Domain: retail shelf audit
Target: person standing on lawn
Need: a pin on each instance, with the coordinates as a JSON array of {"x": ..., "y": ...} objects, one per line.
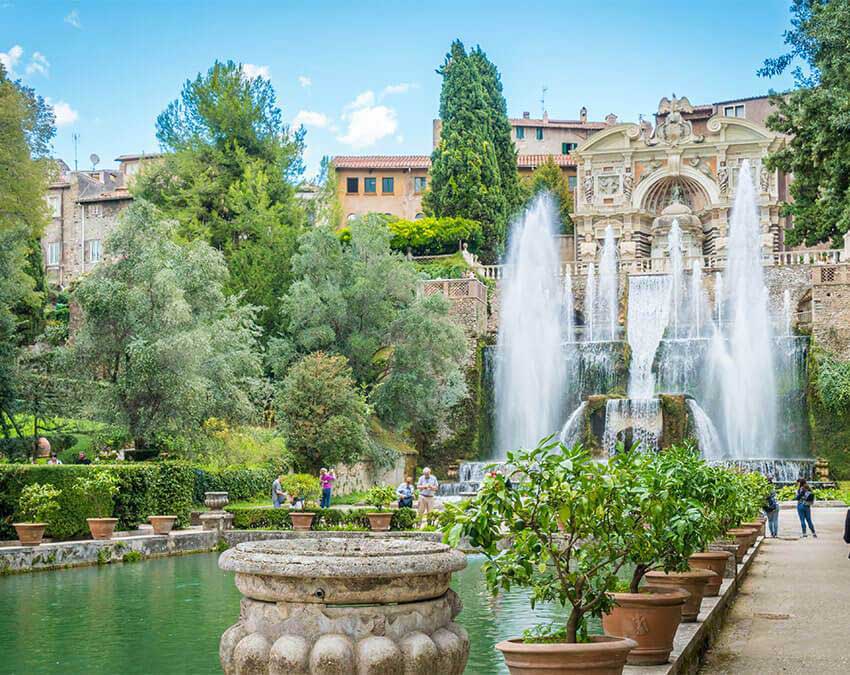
[
  {"x": 279, "y": 497},
  {"x": 326, "y": 478}
]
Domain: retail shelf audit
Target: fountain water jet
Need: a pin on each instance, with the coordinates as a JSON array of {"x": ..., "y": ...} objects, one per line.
[
  {"x": 589, "y": 302},
  {"x": 608, "y": 297}
]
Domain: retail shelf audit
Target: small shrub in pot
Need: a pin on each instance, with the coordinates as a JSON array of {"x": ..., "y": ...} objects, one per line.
[
  {"x": 36, "y": 506},
  {"x": 381, "y": 497}
]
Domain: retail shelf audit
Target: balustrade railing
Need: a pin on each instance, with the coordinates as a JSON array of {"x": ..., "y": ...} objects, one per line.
[{"x": 455, "y": 288}]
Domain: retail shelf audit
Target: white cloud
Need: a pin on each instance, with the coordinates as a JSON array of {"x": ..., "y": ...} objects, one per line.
[
  {"x": 251, "y": 71},
  {"x": 64, "y": 113},
  {"x": 11, "y": 58},
  {"x": 363, "y": 100},
  {"x": 369, "y": 124},
  {"x": 400, "y": 88},
  {"x": 73, "y": 19},
  {"x": 310, "y": 118},
  {"x": 304, "y": 81},
  {"x": 38, "y": 64}
]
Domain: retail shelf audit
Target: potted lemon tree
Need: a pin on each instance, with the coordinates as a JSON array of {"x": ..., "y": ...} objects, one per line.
[
  {"x": 381, "y": 497},
  {"x": 94, "y": 493},
  {"x": 516, "y": 526},
  {"x": 301, "y": 487},
  {"x": 37, "y": 504}
]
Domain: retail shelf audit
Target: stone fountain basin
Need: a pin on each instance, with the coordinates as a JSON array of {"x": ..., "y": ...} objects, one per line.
[{"x": 334, "y": 570}]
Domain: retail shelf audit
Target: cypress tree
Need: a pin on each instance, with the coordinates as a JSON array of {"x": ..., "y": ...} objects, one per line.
[{"x": 465, "y": 176}]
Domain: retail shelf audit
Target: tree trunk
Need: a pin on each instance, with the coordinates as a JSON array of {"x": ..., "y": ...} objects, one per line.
[
  {"x": 640, "y": 571},
  {"x": 572, "y": 625}
]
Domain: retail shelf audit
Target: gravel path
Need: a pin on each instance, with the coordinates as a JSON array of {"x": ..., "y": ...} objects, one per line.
[{"x": 792, "y": 614}]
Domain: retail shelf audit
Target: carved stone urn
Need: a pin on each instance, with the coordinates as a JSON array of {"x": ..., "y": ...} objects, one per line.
[
  {"x": 216, "y": 501},
  {"x": 332, "y": 605}
]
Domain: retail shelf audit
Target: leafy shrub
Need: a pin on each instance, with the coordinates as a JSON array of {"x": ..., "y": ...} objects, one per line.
[
  {"x": 254, "y": 517},
  {"x": 38, "y": 503},
  {"x": 789, "y": 493},
  {"x": 94, "y": 492},
  {"x": 301, "y": 485},
  {"x": 239, "y": 482},
  {"x": 833, "y": 383},
  {"x": 435, "y": 236},
  {"x": 381, "y": 496}
]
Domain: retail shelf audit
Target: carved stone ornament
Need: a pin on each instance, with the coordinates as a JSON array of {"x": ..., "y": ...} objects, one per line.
[
  {"x": 588, "y": 188},
  {"x": 723, "y": 178},
  {"x": 675, "y": 129},
  {"x": 628, "y": 184},
  {"x": 651, "y": 167},
  {"x": 764, "y": 179},
  {"x": 609, "y": 184}
]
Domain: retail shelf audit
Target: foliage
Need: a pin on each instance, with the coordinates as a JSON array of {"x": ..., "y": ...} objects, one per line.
[
  {"x": 132, "y": 557},
  {"x": 554, "y": 484},
  {"x": 224, "y": 446},
  {"x": 239, "y": 481},
  {"x": 381, "y": 496},
  {"x": 814, "y": 119},
  {"x": 832, "y": 383},
  {"x": 789, "y": 493},
  {"x": 253, "y": 517},
  {"x": 38, "y": 503},
  {"x": 829, "y": 424},
  {"x": 321, "y": 413},
  {"x": 325, "y": 208},
  {"x": 301, "y": 485},
  {"x": 159, "y": 331},
  {"x": 548, "y": 177},
  {"x": 434, "y": 236},
  {"x": 445, "y": 267},
  {"x": 466, "y": 173},
  {"x": 228, "y": 179},
  {"x": 143, "y": 489},
  {"x": 93, "y": 493}
]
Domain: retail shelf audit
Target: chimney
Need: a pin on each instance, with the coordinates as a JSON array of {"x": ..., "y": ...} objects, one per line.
[
  {"x": 610, "y": 119},
  {"x": 545, "y": 116},
  {"x": 526, "y": 115},
  {"x": 582, "y": 115}
]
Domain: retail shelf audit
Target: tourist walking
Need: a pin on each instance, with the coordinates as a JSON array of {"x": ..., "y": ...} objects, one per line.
[
  {"x": 279, "y": 497},
  {"x": 427, "y": 486},
  {"x": 405, "y": 493},
  {"x": 771, "y": 510},
  {"x": 326, "y": 478},
  {"x": 805, "y": 499}
]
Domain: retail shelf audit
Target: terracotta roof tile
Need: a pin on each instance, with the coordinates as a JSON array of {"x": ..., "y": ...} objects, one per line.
[
  {"x": 533, "y": 161},
  {"x": 571, "y": 124},
  {"x": 382, "y": 161}
]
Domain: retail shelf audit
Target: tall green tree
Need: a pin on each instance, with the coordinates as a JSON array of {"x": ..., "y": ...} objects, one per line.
[
  {"x": 228, "y": 178},
  {"x": 548, "y": 177},
  {"x": 466, "y": 180},
  {"x": 164, "y": 345},
  {"x": 814, "y": 117}
]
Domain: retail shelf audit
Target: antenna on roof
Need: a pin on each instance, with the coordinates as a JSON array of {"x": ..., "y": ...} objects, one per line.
[
  {"x": 95, "y": 160},
  {"x": 76, "y": 138},
  {"x": 544, "y": 89}
]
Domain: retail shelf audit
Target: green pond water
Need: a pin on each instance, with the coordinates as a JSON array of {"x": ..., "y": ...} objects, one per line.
[{"x": 166, "y": 616}]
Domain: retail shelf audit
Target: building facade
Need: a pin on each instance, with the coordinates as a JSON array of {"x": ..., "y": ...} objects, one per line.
[{"x": 391, "y": 184}]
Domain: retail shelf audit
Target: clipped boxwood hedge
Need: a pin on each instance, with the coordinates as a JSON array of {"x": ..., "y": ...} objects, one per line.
[
  {"x": 144, "y": 489},
  {"x": 267, "y": 518},
  {"x": 239, "y": 482}
]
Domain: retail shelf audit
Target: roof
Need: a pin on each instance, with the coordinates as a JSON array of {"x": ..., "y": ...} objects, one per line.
[
  {"x": 382, "y": 161},
  {"x": 533, "y": 161},
  {"x": 567, "y": 124},
  {"x": 114, "y": 195},
  {"x": 144, "y": 155}
]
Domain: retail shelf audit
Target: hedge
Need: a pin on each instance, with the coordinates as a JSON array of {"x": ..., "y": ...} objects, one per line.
[
  {"x": 240, "y": 483},
  {"x": 267, "y": 518},
  {"x": 144, "y": 489}
]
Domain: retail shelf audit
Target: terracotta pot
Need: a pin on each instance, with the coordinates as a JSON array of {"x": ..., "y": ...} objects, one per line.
[
  {"x": 301, "y": 520},
  {"x": 648, "y": 618},
  {"x": 603, "y": 655},
  {"x": 379, "y": 522},
  {"x": 30, "y": 534},
  {"x": 693, "y": 582},
  {"x": 102, "y": 528},
  {"x": 162, "y": 524},
  {"x": 754, "y": 534},
  {"x": 714, "y": 561},
  {"x": 756, "y": 525},
  {"x": 742, "y": 538}
]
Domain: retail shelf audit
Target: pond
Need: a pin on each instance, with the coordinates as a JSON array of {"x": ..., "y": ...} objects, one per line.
[{"x": 166, "y": 616}]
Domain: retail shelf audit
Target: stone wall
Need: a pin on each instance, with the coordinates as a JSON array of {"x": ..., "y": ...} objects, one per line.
[
  {"x": 831, "y": 318},
  {"x": 363, "y": 475}
]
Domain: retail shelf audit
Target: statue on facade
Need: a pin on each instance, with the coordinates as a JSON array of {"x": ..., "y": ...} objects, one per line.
[
  {"x": 588, "y": 188},
  {"x": 628, "y": 184},
  {"x": 675, "y": 129},
  {"x": 723, "y": 178},
  {"x": 764, "y": 179}
]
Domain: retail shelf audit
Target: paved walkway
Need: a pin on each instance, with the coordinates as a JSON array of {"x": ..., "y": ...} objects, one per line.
[{"x": 792, "y": 614}]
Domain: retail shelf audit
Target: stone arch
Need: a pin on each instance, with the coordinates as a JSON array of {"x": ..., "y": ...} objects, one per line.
[{"x": 694, "y": 178}]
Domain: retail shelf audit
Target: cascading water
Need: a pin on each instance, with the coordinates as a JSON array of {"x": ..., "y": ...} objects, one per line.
[
  {"x": 569, "y": 309},
  {"x": 743, "y": 363},
  {"x": 571, "y": 433},
  {"x": 635, "y": 422},
  {"x": 608, "y": 298},
  {"x": 676, "y": 269},
  {"x": 718, "y": 298},
  {"x": 649, "y": 310},
  {"x": 589, "y": 302},
  {"x": 705, "y": 432},
  {"x": 530, "y": 369},
  {"x": 786, "y": 311},
  {"x": 696, "y": 298}
]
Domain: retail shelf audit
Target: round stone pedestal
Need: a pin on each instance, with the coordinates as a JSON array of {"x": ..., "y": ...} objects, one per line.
[{"x": 331, "y": 605}]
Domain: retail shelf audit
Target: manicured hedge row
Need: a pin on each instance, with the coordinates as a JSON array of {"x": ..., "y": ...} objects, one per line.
[
  {"x": 239, "y": 482},
  {"x": 259, "y": 518},
  {"x": 144, "y": 489}
]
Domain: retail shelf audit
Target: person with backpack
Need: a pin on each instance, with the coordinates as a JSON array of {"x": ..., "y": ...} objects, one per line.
[
  {"x": 805, "y": 499},
  {"x": 771, "y": 510}
]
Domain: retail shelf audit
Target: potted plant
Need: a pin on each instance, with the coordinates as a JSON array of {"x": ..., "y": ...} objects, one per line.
[
  {"x": 380, "y": 496},
  {"x": 301, "y": 487},
  {"x": 94, "y": 493},
  {"x": 36, "y": 506},
  {"x": 517, "y": 530},
  {"x": 670, "y": 526}
]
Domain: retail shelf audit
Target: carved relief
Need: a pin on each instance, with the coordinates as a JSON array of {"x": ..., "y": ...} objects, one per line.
[
  {"x": 651, "y": 167},
  {"x": 628, "y": 184},
  {"x": 701, "y": 165},
  {"x": 723, "y": 178},
  {"x": 675, "y": 129},
  {"x": 764, "y": 179},
  {"x": 609, "y": 184},
  {"x": 639, "y": 625},
  {"x": 588, "y": 188}
]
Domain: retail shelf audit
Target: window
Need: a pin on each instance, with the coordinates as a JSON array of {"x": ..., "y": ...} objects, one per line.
[
  {"x": 520, "y": 133},
  {"x": 54, "y": 203},
  {"x": 53, "y": 254},
  {"x": 734, "y": 110},
  {"x": 572, "y": 181},
  {"x": 539, "y": 133},
  {"x": 567, "y": 148},
  {"x": 352, "y": 185},
  {"x": 387, "y": 185},
  {"x": 93, "y": 250},
  {"x": 370, "y": 186},
  {"x": 419, "y": 184}
]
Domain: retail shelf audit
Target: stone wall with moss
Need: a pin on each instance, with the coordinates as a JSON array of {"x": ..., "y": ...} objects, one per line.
[
  {"x": 674, "y": 420},
  {"x": 829, "y": 419}
]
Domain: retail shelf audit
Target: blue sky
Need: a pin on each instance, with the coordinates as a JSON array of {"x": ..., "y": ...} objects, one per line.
[{"x": 360, "y": 75}]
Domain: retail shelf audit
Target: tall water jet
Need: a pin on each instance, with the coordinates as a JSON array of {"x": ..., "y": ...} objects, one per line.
[
  {"x": 744, "y": 362},
  {"x": 589, "y": 302},
  {"x": 676, "y": 269},
  {"x": 718, "y": 298},
  {"x": 530, "y": 367},
  {"x": 696, "y": 298},
  {"x": 786, "y": 312},
  {"x": 649, "y": 311},
  {"x": 608, "y": 297},
  {"x": 569, "y": 308}
]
